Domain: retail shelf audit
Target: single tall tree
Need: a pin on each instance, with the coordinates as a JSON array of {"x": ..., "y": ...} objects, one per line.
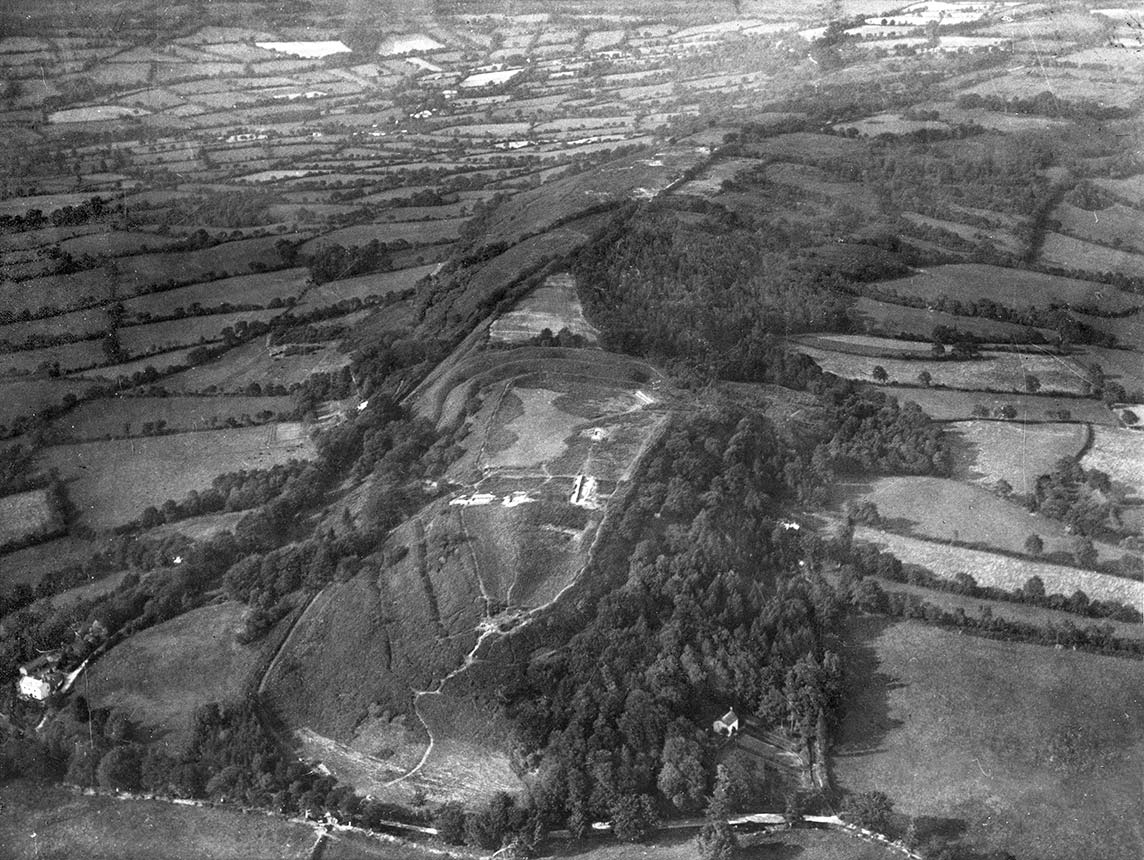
[{"x": 716, "y": 839}]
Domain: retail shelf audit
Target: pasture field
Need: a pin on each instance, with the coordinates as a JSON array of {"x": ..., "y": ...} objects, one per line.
[
  {"x": 951, "y": 405},
  {"x": 27, "y": 515},
  {"x": 256, "y": 362},
  {"x": 199, "y": 528},
  {"x": 1067, "y": 84},
  {"x": 112, "y": 482},
  {"x": 115, "y": 243},
  {"x": 45, "y": 820},
  {"x": 69, "y": 357},
  {"x": 76, "y": 324},
  {"x": 1003, "y": 240},
  {"x": 161, "y": 362},
  {"x": 710, "y": 181},
  {"x": 1024, "y": 613},
  {"x": 1119, "y": 365},
  {"x": 256, "y": 289},
  {"x": 413, "y": 232},
  {"x": 860, "y": 344},
  {"x": 1074, "y": 254},
  {"x": 1117, "y": 225},
  {"x": 28, "y": 396},
  {"x": 30, "y": 564},
  {"x": 125, "y": 416},
  {"x": 1130, "y": 189},
  {"x": 816, "y": 182},
  {"x": 800, "y": 146},
  {"x": 989, "y": 451},
  {"x": 805, "y": 844},
  {"x": 187, "y": 331},
  {"x": 161, "y": 675},
  {"x": 1016, "y": 288},
  {"x": 1120, "y": 453},
  {"x": 889, "y": 123},
  {"x": 1035, "y": 751},
  {"x": 554, "y": 306},
  {"x": 962, "y": 512},
  {"x": 1128, "y": 330},
  {"x": 1003, "y": 571},
  {"x": 994, "y": 371},
  {"x": 894, "y": 320},
  {"x": 362, "y": 286}
]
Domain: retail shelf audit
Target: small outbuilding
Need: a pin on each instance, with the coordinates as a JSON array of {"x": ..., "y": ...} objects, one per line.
[{"x": 728, "y": 724}]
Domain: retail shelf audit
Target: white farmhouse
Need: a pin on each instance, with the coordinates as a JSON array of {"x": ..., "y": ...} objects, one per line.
[{"x": 728, "y": 724}]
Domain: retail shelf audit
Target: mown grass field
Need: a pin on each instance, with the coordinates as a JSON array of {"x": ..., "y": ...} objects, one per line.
[
  {"x": 111, "y": 482},
  {"x": 962, "y": 512},
  {"x": 161, "y": 675},
  {"x": 45, "y": 821},
  {"x": 27, "y": 515},
  {"x": 1003, "y": 571},
  {"x": 125, "y": 416},
  {"x": 989, "y": 451},
  {"x": 1033, "y": 750}
]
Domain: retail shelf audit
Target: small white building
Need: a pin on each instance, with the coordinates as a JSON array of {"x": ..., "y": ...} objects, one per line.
[
  {"x": 39, "y": 679},
  {"x": 728, "y": 724}
]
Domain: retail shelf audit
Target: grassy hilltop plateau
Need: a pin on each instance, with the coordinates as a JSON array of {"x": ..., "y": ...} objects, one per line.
[{"x": 615, "y": 430}]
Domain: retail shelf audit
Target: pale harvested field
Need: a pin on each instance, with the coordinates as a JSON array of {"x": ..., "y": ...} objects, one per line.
[
  {"x": 1002, "y": 571},
  {"x": 112, "y": 482},
  {"x": 527, "y": 430},
  {"x": 1018, "y": 453},
  {"x": 552, "y": 306},
  {"x": 1120, "y": 453}
]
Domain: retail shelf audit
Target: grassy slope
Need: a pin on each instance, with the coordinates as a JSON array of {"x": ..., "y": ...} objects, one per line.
[
  {"x": 46, "y": 821},
  {"x": 1037, "y": 751},
  {"x": 161, "y": 675}
]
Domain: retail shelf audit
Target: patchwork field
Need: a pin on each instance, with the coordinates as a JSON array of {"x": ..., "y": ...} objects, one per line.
[
  {"x": 1036, "y": 751},
  {"x": 160, "y": 676},
  {"x": 112, "y": 482},
  {"x": 1003, "y": 571},
  {"x": 30, "y": 564},
  {"x": 553, "y": 306},
  {"x": 43, "y": 820},
  {"x": 989, "y": 451},
  {"x": 959, "y": 512}
]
